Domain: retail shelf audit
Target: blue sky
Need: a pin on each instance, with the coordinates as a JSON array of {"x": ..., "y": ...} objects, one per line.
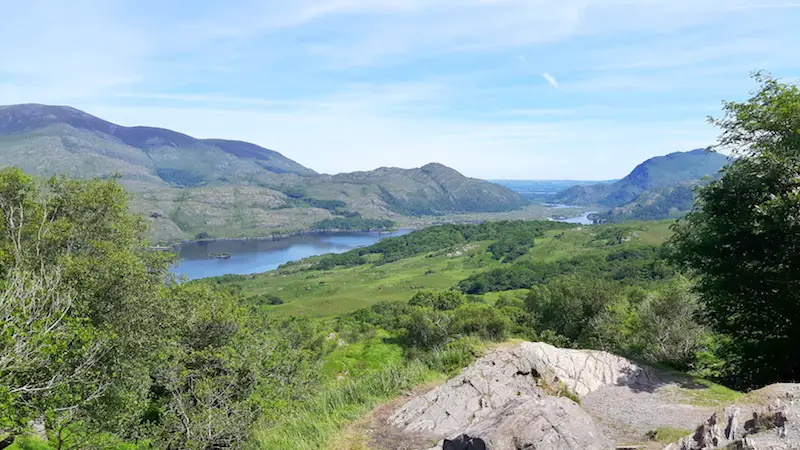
[{"x": 536, "y": 89}]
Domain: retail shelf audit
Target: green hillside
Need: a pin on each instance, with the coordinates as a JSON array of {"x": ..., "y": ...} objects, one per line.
[
  {"x": 654, "y": 204},
  {"x": 658, "y": 172},
  {"x": 222, "y": 188}
]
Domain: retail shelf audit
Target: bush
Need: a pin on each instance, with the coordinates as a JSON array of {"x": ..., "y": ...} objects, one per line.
[
  {"x": 427, "y": 329},
  {"x": 265, "y": 299},
  {"x": 440, "y": 301},
  {"x": 480, "y": 320},
  {"x": 570, "y": 305}
]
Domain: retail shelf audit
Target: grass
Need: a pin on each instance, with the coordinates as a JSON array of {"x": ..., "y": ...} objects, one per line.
[
  {"x": 710, "y": 394},
  {"x": 668, "y": 435},
  {"x": 362, "y": 357},
  {"x": 316, "y": 423},
  {"x": 318, "y": 293}
]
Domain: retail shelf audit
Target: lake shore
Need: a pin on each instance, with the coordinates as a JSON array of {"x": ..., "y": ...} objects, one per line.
[{"x": 276, "y": 237}]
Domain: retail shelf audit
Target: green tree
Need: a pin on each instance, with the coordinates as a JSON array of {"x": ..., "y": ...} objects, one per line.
[
  {"x": 427, "y": 329},
  {"x": 742, "y": 238},
  {"x": 71, "y": 250}
]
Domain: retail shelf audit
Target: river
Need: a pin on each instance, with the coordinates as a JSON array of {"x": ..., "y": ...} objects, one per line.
[{"x": 249, "y": 256}]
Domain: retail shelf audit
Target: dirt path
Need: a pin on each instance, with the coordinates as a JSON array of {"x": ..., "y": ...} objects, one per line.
[
  {"x": 374, "y": 432},
  {"x": 626, "y": 415}
]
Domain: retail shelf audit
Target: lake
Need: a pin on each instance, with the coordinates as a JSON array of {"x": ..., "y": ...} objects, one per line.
[
  {"x": 581, "y": 220},
  {"x": 249, "y": 256}
]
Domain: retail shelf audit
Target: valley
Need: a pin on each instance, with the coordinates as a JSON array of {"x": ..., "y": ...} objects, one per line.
[{"x": 395, "y": 309}]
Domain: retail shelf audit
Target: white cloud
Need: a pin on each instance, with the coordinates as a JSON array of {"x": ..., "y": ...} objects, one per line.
[
  {"x": 551, "y": 79},
  {"x": 343, "y": 136},
  {"x": 354, "y": 84}
]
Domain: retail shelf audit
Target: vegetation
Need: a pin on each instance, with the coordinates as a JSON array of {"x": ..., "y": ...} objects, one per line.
[
  {"x": 741, "y": 238},
  {"x": 654, "y": 204},
  {"x": 102, "y": 347},
  {"x": 515, "y": 236},
  {"x": 356, "y": 223},
  {"x": 655, "y": 173}
]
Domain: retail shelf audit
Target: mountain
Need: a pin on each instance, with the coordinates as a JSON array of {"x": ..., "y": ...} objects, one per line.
[
  {"x": 434, "y": 189},
  {"x": 58, "y": 139},
  {"x": 225, "y": 188},
  {"x": 658, "y": 172},
  {"x": 654, "y": 204}
]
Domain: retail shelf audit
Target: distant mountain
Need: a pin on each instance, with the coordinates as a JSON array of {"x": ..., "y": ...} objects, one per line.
[
  {"x": 225, "y": 188},
  {"x": 543, "y": 190},
  {"x": 654, "y": 204},
  {"x": 434, "y": 189},
  {"x": 658, "y": 172},
  {"x": 58, "y": 139}
]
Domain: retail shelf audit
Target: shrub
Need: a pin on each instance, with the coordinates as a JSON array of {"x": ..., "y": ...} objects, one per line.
[
  {"x": 480, "y": 320},
  {"x": 440, "y": 301},
  {"x": 426, "y": 329}
]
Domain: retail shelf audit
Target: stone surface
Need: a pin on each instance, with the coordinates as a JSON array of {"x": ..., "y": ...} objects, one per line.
[
  {"x": 505, "y": 399},
  {"x": 547, "y": 422},
  {"x": 510, "y": 373},
  {"x": 767, "y": 419}
]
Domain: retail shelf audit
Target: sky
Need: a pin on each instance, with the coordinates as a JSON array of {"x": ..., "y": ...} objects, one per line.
[{"x": 513, "y": 89}]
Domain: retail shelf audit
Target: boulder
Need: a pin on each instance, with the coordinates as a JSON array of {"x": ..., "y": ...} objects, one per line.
[
  {"x": 552, "y": 423},
  {"x": 510, "y": 373},
  {"x": 519, "y": 397}
]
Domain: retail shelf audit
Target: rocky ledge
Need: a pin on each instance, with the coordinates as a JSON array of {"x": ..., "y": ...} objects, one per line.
[{"x": 536, "y": 396}]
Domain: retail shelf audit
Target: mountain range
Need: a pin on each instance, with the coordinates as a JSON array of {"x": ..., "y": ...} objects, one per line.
[
  {"x": 225, "y": 188},
  {"x": 659, "y": 188},
  {"x": 658, "y": 172}
]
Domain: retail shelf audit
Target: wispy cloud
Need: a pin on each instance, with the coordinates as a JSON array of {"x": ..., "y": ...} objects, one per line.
[
  {"x": 551, "y": 79},
  {"x": 346, "y": 84}
]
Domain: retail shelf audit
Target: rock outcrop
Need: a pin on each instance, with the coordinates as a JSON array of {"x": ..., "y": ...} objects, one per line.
[
  {"x": 767, "y": 419},
  {"x": 536, "y": 396},
  {"x": 505, "y": 398}
]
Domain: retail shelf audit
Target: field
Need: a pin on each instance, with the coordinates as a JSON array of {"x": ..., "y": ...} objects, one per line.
[{"x": 317, "y": 293}]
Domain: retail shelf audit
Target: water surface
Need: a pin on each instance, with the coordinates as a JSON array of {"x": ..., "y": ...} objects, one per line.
[
  {"x": 255, "y": 256},
  {"x": 581, "y": 220}
]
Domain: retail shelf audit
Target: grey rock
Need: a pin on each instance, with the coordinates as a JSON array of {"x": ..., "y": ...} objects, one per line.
[
  {"x": 510, "y": 373},
  {"x": 767, "y": 419},
  {"x": 547, "y": 422},
  {"x": 505, "y": 399}
]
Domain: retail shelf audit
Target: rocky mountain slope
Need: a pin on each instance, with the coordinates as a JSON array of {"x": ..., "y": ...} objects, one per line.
[
  {"x": 536, "y": 396},
  {"x": 224, "y": 188},
  {"x": 654, "y": 204},
  {"x": 655, "y": 173}
]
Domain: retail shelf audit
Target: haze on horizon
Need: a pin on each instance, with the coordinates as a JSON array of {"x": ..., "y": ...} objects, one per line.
[{"x": 508, "y": 89}]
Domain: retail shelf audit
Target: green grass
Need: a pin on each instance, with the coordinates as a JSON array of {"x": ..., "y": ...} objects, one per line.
[
  {"x": 353, "y": 360},
  {"x": 318, "y": 293},
  {"x": 332, "y": 292},
  {"x": 316, "y": 422},
  {"x": 668, "y": 435},
  {"x": 708, "y": 393}
]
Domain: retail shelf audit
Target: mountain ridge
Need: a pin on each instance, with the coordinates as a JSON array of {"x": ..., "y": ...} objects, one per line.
[
  {"x": 229, "y": 188},
  {"x": 33, "y": 116},
  {"x": 657, "y": 172}
]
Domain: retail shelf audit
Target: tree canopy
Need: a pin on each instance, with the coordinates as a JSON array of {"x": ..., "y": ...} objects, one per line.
[{"x": 742, "y": 239}]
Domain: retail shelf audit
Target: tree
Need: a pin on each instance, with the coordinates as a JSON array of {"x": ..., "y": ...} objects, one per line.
[
  {"x": 570, "y": 305},
  {"x": 48, "y": 359},
  {"x": 742, "y": 238},
  {"x": 84, "y": 293}
]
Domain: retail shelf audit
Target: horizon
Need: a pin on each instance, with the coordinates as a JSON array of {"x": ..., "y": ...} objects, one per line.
[{"x": 501, "y": 90}]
